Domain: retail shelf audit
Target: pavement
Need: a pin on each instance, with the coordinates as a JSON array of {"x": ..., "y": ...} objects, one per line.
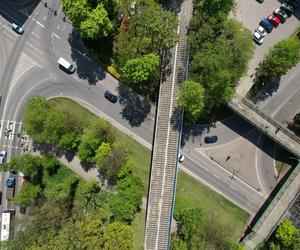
[
  {"x": 46, "y": 38},
  {"x": 250, "y": 12}
]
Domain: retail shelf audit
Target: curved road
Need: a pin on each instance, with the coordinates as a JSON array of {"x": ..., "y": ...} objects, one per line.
[{"x": 46, "y": 38}]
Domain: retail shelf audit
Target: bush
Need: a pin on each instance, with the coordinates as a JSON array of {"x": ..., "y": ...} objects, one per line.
[{"x": 113, "y": 72}]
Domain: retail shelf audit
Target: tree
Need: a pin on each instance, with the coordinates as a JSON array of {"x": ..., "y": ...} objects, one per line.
[
  {"x": 87, "y": 148},
  {"x": 117, "y": 160},
  {"x": 141, "y": 69},
  {"x": 54, "y": 127},
  {"x": 50, "y": 163},
  {"x": 27, "y": 195},
  {"x": 102, "y": 156},
  {"x": 212, "y": 7},
  {"x": 127, "y": 201},
  {"x": 97, "y": 24},
  {"x": 118, "y": 235},
  {"x": 151, "y": 31},
  {"x": 283, "y": 56},
  {"x": 191, "y": 228},
  {"x": 287, "y": 234},
  {"x": 28, "y": 164},
  {"x": 35, "y": 115},
  {"x": 77, "y": 10},
  {"x": 90, "y": 190},
  {"x": 295, "y": 124},
  {"x": 69, "y": 141},
  {"x": 191, "y": 98}
]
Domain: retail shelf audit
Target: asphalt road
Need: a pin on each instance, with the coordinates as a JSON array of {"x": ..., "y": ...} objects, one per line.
[{"x": 35, "y": 55}]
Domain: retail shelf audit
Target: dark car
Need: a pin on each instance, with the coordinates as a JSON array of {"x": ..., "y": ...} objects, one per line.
[
  {"x": 266, "y": 24},
  {"x": 17, "y": 28},
  {"x": 110, "y": 96},
  {"x": 288, "y": 9},
  {"x": 10, "y": 182},
  {"x": 274, "y": 20},
  {"x": 293, "y": 3},
  {"x": 119, "y": 18},
  {"x": 280, "y": 13},
  {"x": 210, "y": 139}
]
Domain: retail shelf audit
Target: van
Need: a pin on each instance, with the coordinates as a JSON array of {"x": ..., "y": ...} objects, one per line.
[{"x": 66, "y": 65}]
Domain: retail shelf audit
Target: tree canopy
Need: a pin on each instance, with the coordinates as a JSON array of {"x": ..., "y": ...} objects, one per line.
[
  {"x": 191, "y": 98},
  {"x": 141, "y": 69}
]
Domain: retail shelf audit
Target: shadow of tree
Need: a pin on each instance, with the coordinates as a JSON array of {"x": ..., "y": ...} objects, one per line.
[
  {"x": 87, "y": 69},
  {"x": 135, "y": 108}
]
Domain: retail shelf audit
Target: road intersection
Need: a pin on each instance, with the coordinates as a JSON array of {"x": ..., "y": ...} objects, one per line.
[{"x": 35, "y": 55}]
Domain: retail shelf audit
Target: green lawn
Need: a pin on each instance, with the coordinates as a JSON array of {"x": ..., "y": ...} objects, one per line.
[
  {"x": 139, "y": 228},
  {"x": 190, "y": 193}
]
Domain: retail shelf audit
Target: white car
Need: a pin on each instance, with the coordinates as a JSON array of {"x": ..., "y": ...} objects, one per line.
[
  {"x": 181, "y": 158},
  {"x": 261, "y": 30},
  {"x": 3, "y": 155},
  {"x": 257, "y": 37}
]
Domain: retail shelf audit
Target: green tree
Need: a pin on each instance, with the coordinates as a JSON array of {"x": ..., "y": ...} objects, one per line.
[
  {"x": 141, "y": 69},
  {"x": 117, "y": 160},
  {"x": 102, "y": 156},
  {"x": 50, "y": 163},
  {"x": 28, "y": 194},
  {"x": 28, "y": 164},
  {"x": 87, "y": 148},
  {"x": 191, "y": 98},
  {"x": 35, "y": 114},
  {"x": 283, "y": 56},
  {"x": 90, "y": 190},
  {"x": 212, "y": 7},
  {"x": 295, "y": 124},
  {"x": 118, "y": 235},
  {"x": 126, "y": 203},
  {"x": 191, "y": 228},
  {"x": 97, "y": 24},
  {"x": 69, "y": 141},
  {"x": 151, "y": 31},
  {"x": 287, "y": 234},
  {"x": 77, "y": 11},
  {"x": 83, "y": 233}
]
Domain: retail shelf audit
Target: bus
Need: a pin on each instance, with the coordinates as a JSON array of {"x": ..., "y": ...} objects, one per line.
[{"x": 6, "y": 223}]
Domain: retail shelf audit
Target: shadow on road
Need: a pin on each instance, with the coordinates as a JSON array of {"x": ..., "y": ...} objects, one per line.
[
  {"x": 296, "y": 12},
  {"x": 87, "y": 69},
  {"x": 135, "y": 108}
]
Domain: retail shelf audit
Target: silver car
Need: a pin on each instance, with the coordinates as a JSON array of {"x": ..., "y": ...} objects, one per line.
[{"x": 3, "y": 155}]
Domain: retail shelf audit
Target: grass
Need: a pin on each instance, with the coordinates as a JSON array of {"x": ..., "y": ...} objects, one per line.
[
  {"x": 139, "y": 227},
  {"x": 138, "y": 155},
  {"x": 190, "y": 193}
]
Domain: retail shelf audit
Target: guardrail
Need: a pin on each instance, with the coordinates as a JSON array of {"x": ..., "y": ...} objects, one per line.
[{"x": 271, "y": 120}]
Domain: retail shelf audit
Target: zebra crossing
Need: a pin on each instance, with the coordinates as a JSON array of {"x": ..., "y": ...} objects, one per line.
[
  {"x": 24, "y": 63},
  {"x": 12, "y": 136}
]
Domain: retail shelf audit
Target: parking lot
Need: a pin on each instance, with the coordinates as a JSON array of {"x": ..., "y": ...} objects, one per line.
[{"x": 250, "y": 13}]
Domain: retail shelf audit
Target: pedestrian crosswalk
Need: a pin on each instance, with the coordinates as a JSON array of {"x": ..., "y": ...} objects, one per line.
[
  {"x": 24, "y": 63},
  {"x": 12, "y": 136}
]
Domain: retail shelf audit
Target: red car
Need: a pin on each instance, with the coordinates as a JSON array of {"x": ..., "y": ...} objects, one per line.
[{"x": 274, "y": 20}]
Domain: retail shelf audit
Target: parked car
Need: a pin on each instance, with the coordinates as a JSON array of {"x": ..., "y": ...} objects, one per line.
[
  {"x": 10, "y": 182},
  {"x": 210, "y": 139},
  {"x": 261, "y": 30},
  {"x": 110, "y": 96},
  {"x": 280, "y": 13},
  {"x": 274, "y": 20},
  {"x": 3, "y": 156},
  {"x": 181, "y": 158},
  {"x": 17, "y": 28},
  {"x": 258, "y": 37},
  {"x": 293, "y": 3},
  {"x": 266, "y": 24},
  {"x": 288, "y": 9},
  {"x": 260, "y": 1}
]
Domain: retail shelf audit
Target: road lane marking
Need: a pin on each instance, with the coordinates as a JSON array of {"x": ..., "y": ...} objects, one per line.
[
  {"x": 40, "y": 24},
  {"x": 57, "y": 36}
]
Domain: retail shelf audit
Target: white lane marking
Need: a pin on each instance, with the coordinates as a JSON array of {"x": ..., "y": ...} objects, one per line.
[
  {"x": 36, "y": 35},
  {"x": 256, "y": 169},
  {"x": 83, "y": 54},
  {"x": 286, "y": 100},
  {"x": 40, "y": 24},
  {"x": 57, "y": 36}
]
